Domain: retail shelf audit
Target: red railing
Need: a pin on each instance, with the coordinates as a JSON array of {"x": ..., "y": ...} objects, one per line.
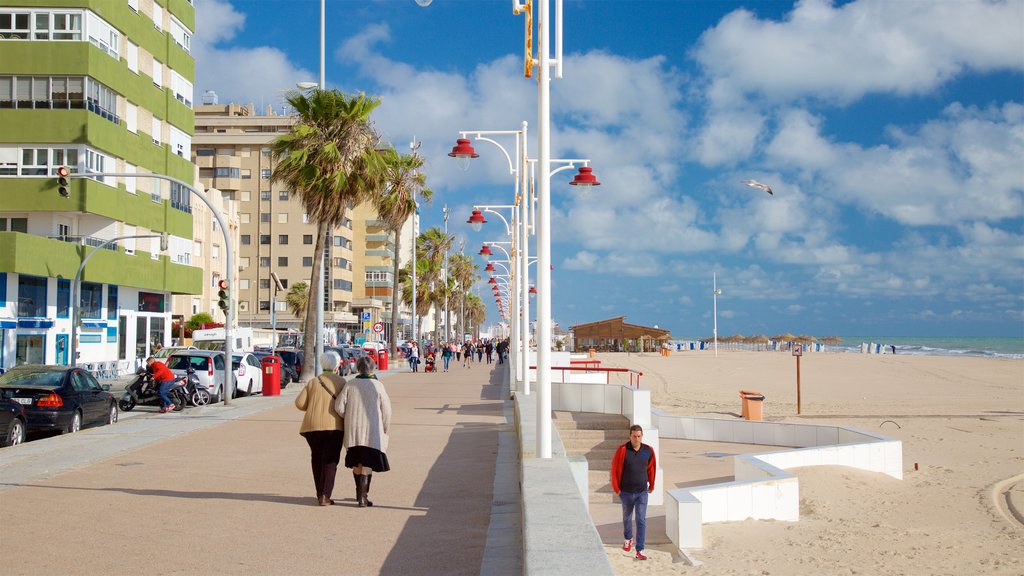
[{"x": 608, "y": 371}]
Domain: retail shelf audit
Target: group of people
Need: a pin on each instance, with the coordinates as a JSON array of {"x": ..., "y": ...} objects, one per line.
[
  {"x": 352, "y": 415},
  {"x": 467, "y": 352}
]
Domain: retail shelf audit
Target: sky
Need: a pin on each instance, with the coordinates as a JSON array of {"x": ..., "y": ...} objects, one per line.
[{"x": 891, "y": 133}]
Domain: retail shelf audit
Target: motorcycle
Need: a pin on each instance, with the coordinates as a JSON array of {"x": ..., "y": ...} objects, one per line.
[
  {"x": 195, "y": 391},
  {"x": 139, "y": 394}
]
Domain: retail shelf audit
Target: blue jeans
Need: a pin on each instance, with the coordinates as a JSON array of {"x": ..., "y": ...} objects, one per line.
[
  {"x": 165, "y": 387},
  {"x": 447, "y": 359},
  {"x": 634, "y": 503}
]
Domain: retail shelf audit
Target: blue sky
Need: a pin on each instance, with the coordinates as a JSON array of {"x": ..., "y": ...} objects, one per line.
[{"x": 892, "y": 133}]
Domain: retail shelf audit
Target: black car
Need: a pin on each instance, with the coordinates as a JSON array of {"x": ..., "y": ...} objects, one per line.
[
  {"x": 288, "y": 373},
  {"x": 12, "y": 422},
  {"x": 59, "y": 398},
  {"x": 291, "y": 357}
]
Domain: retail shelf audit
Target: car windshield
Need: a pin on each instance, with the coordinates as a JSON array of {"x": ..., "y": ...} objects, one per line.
[{"x": 32, "y": 378}]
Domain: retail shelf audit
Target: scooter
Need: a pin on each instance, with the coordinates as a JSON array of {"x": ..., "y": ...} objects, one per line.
[
  {"x": 138, "y": 394},
  {"x": 196, "y": 392}
]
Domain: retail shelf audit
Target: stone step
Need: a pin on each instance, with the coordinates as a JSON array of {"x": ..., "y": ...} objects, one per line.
[
  {"x": 600, "y": 485},
  {"x": 582, "y": 445},
  {"x": 617, "y": 435},
  {"x": 590, "y": 421},
  {"x": 597, "y": 459}
]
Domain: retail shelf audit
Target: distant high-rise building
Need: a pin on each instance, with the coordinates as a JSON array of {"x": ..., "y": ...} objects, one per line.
[{"x": 97, "y": 86}]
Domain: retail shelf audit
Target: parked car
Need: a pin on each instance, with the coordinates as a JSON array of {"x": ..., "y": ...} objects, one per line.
[
  {"x": 291, "y": 357},
  {"x": 209, "y": 367},
  {"x": 13, "y": 422},
  {"x": 360, "y": 352},
  {"x": 59, "y": 398},
  {"x": 165, "y": 352},
  {"x": 348, "y": 363},
  {"x": 288, "y": 373},
  {"x": 373, "y": 349}
]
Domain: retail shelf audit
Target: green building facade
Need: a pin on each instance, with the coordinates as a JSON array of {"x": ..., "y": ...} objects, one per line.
[{"x": 97, "y": 86}]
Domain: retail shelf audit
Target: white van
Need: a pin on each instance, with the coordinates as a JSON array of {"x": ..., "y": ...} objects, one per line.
[{"x": 213, "y": 339}]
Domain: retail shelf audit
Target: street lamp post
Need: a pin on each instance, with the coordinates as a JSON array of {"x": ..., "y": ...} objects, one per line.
[
  {"x": 229, "y": 252},
  {"x": 716, "y": 292}
]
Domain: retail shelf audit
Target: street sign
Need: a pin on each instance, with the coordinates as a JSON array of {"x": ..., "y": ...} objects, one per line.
[
  {"x": 798, "y": 349},
  {"x": 366, "y": 317},
  {"x": 378, "y": 327}
]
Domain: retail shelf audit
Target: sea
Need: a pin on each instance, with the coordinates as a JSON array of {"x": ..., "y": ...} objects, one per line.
[{"x": 1012, "y": 347}]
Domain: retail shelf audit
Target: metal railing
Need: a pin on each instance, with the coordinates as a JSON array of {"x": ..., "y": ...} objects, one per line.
[
  {"x": 592, "y": 369},
  {"x": 86, "y": 241}
]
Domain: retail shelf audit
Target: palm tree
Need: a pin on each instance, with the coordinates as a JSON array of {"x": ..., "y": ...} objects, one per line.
[
  {"x": 476, "y": 313},
  {"x": 464, "y": 270},
  {"x": 435, "y": 244},
  {"x": 298, "y": 301},
  {"x": 403, "y": 182},
  {"x": 329, "y": 159}
]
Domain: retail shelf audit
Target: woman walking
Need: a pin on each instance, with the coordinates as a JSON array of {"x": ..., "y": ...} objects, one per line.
[
  {"x": 323, "y": 426},
  {"x": 446, "y": 354},
  {"x": 365, "y": 405}
]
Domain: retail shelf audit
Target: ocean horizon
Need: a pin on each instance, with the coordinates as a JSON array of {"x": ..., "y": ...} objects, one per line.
[{"x": 1006, "y": 347}]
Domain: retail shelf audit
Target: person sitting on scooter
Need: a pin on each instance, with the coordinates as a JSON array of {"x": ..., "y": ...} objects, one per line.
[{"x": 164, "y": 379}]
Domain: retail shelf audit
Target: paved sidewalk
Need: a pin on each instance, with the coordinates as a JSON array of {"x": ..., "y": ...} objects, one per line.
[{"x": 228, "y": 491}]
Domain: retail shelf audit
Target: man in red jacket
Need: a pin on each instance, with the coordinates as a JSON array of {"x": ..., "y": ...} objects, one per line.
[
  {"x": 633, "y": 470},
  {"x": 164, "y": 379}
]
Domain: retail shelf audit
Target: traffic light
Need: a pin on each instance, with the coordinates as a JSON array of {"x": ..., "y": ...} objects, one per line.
[
  {"x": 62, "y": 181},
  {"x": 224, "y": 295}
]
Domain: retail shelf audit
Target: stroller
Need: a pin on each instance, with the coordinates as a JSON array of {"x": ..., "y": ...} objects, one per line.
[{"x": 428, "y": 365}]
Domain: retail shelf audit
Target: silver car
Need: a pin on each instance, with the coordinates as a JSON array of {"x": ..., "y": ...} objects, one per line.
[{"x": 209, "y": 367}]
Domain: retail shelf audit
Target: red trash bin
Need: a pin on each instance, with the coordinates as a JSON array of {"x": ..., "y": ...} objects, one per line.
[
  {"x": 271, "y": 366},
  {"x": 382, "y": 363}
]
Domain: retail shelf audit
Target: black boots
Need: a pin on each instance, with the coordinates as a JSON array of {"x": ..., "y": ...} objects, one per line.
[{"x": 362, "y": 489}]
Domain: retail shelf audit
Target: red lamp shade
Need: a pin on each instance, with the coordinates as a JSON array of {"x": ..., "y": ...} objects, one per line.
[
  {"x": 533, "y": 291},
  {"x": 486, "y": 252},
  {"x": 489, "y": 267},
  {"x": 585, "y": 177},
  {"x": 476, "y": 220},
  {"x": 463, "y": 149},
  {"x": 492, "y": 281}
]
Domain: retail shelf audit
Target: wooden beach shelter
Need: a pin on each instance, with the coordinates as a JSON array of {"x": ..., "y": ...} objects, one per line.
[{"x": 615, "y": 335}]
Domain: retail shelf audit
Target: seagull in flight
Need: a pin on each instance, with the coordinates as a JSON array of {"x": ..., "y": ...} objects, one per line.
[{"x": 758, "y": 185}]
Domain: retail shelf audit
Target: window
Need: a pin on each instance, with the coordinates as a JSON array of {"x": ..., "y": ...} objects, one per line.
[
  {"x": 282, "y": 195},
  {"x": 265, "y": 218},
  {"x": 243, "y": 284},
  {"x": 246, "y": 239},
  {"x": 158, "y": 16},
  {"x": 307, "y": 261},
  {"x": 46, "y": 25},
  {"x": 265, "y": 239},
  {"x": 282, "y": 218},
  {"x": 282, "y": 261},
  {"x": 181, "y": 198},
  {"x": 284, "y": 284},
  {"x": 204, "y": 151},
  {"x": 58, "y": 93},
  {"x": 155, "y": 130},
  {"x": 133, "y": 57},
  {"x": 131, "y": 118},
  {"x": 31, "y": 296},
  {"x": 63, "y": 297},
  {"x": 91, "y": 302},
  {"x": 265, "y": 195},
  {"x": 14, "y": 225},
  {"x": 246, "y": 174},
  {"x": 264, "y": 305},
  {"x": 343, "y": 285},
  {"x": 307, "y": 239},
  {"x": 182, "y": 36},
  {"x": 134, "y": 5},
  {"x": 264, "y": 283},
  {"x": 243, "y": 218},
  {"x": 158, "y": 74},
  {"x": 265, "y": 152},
  {"x": 129, "y": 181},
  {"x": 102, "y": 35},
  {"x": 264, "y": 261},
  {"x": 378, "y": 276},
  {"x": 265, "y": 174},
  {"x": 282, "y": 238},
  {"x": 227, "y": 172},
  {"x": 111, "y": 302},
  {"x": 16, "y": 161}
]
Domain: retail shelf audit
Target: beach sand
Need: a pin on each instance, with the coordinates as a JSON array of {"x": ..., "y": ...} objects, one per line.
[{"x": 961, "y": 420}]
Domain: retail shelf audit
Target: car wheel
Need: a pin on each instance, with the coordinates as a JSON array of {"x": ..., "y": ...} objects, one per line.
[
  {"x": 112, "y": 415},
  {"x": 76, "y": 423},
  {"x": 15, "y": 433}
]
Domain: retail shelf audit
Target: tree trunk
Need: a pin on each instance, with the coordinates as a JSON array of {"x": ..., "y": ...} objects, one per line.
[
  {"x": 394, "y": 295},
  {"x": 316, "y": 289}
]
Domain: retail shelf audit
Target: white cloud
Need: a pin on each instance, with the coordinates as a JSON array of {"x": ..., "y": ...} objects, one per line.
[
  {"x": 260, "y": 75},
  {"x": 844, "y": 52}
]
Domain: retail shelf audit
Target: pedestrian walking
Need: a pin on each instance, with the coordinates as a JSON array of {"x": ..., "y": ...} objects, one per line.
[
  {"x": 633, "y": 471},
  {"x": 446, "y": 354},
  {"x": 323, "y": 426},
  {"x": 489, "y": 350},
  {"x": 414, "y": 358},
  {"x": 365, "y": 405}
]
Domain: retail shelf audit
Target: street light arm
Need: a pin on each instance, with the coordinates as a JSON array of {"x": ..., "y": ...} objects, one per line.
[
  {"x": 508, "y": 157},
  {"x": 490, "y": 210}
]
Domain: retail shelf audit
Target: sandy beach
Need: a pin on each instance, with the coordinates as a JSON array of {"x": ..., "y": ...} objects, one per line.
[{"x": 961, "y": 420}]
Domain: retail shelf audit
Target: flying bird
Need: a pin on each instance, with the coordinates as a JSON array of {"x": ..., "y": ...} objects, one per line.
[{"x": 758, "y": 185}]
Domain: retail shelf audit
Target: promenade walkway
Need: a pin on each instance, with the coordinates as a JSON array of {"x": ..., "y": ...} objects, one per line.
[{"x": 228, "y": 491}]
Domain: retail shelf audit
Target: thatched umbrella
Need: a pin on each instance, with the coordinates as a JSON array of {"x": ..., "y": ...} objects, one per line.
[
  {"x": 831, "y": 340},
  {"x": 760, "y": 340}
]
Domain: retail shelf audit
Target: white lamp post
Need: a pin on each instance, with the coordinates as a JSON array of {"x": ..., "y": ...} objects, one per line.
[{"x": 717, "y": 293}]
